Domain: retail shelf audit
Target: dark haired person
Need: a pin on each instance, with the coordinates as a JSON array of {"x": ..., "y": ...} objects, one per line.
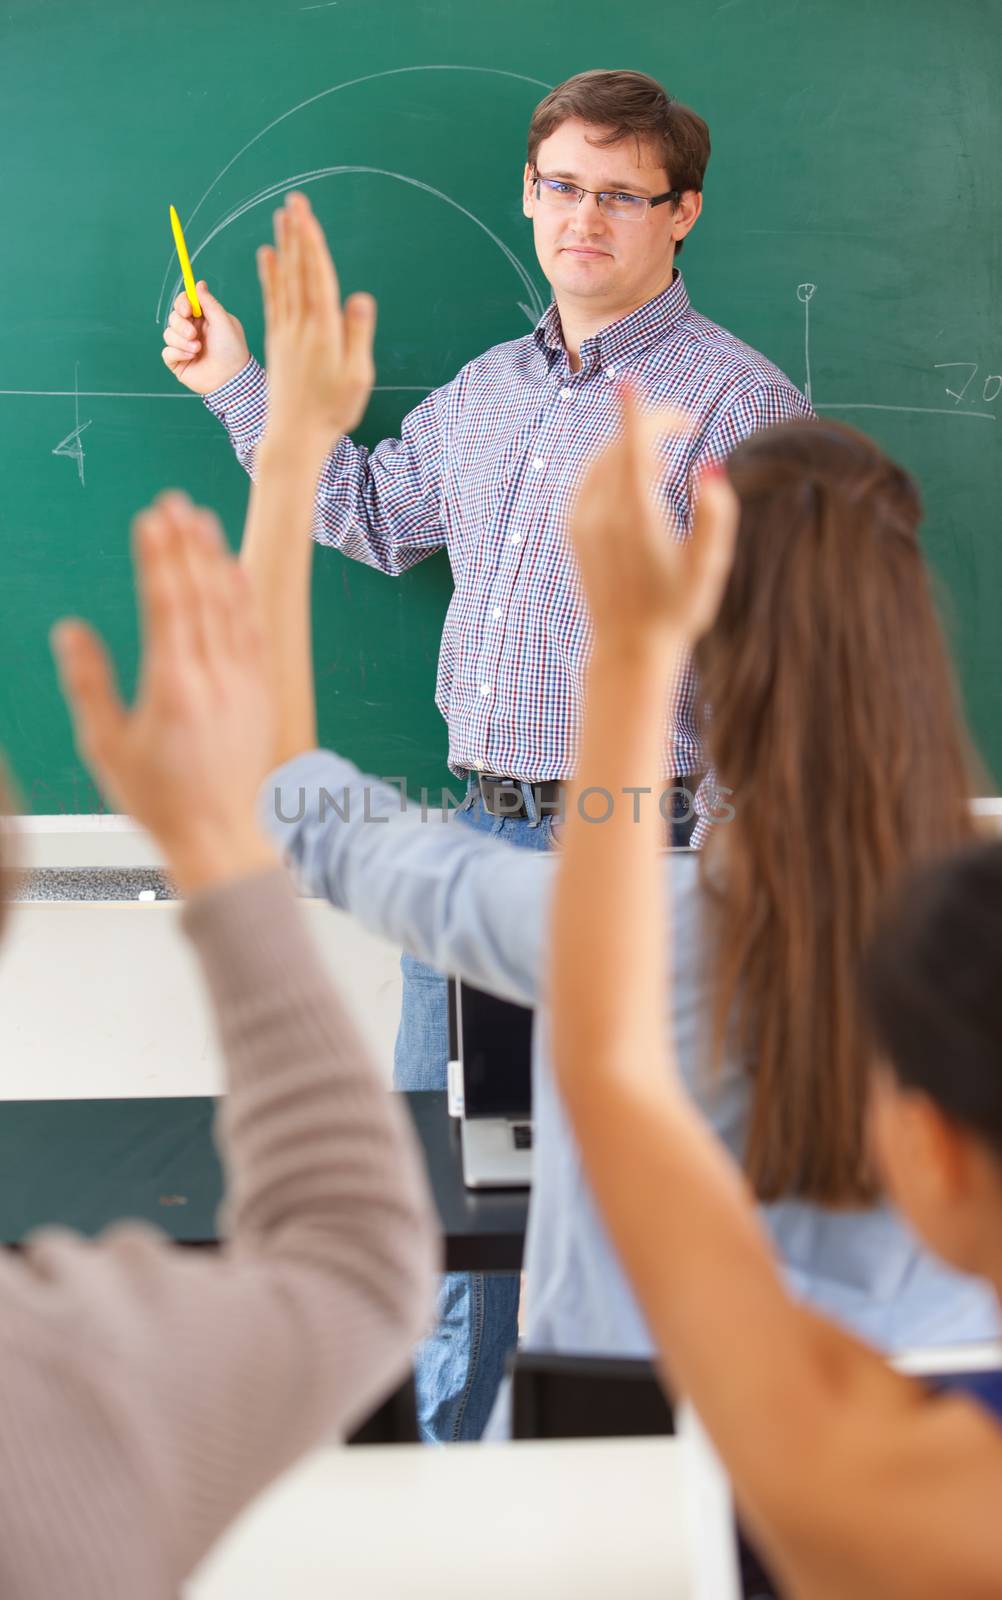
[
  {"x": 853, "y": 1480},
  {"x": 485, "y": 468}
]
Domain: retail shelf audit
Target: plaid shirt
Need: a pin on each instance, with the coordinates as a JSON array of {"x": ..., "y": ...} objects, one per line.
[{"x": 486, "y": 467}]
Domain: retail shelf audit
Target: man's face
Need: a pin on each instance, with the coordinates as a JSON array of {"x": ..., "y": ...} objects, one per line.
[{"x": 586, "y": 257}]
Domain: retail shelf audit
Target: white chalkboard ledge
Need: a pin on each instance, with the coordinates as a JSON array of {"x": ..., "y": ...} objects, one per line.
[
  {"x": 101, "y": 840},
  {"x": 107, "y": 840}
]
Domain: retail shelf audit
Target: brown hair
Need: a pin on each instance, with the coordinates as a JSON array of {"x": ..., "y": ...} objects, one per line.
[
  {"x": 939, "y": 1022},
  {"x": 835, "y": 723},
  {"x": 629, "y": 104}
]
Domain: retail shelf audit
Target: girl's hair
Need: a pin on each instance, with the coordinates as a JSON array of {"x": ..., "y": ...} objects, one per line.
[
  {"x": 931, "y": 980},
  {"x": 836, "y": 725}
]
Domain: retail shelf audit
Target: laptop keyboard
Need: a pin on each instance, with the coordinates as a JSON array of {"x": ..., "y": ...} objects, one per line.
[{"x": 521, "y": 1133}]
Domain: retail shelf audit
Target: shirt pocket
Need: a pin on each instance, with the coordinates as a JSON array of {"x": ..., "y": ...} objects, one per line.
[{"x": 487, "y": 460}]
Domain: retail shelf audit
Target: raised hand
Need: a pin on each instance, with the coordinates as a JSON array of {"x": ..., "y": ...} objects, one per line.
[
  {"x": 207, "y": 351},
  {"x": 319, "y": 356},
  {"x": 638, "y": 577},
  {"x": 187, "y": 759}
]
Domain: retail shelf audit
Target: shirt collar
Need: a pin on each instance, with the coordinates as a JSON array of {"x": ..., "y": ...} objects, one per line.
[{"x": 630, "y": 336}]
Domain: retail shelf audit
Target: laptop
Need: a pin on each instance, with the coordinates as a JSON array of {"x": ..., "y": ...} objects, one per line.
[
  {"x": 722, "y": 1563},
  {"x": 493, "y": 1049}
]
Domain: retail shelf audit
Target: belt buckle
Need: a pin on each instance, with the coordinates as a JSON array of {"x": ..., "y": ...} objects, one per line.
[{"x": 499, "y": 787}]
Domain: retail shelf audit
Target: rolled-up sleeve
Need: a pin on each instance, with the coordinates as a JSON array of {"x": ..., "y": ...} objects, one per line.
[{"x": 383, "y": 507}]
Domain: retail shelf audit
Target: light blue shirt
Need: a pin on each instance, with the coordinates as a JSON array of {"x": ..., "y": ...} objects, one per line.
[{"x": 477, "y": 908}]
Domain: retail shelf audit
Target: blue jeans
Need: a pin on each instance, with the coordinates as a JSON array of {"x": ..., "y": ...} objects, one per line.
[{"x": 458, "y": 1369}]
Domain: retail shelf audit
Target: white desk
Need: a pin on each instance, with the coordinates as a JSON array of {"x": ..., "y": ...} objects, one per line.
[
  {"x": 581, "y": 1521},
  {"x": 105, "y": 999}
]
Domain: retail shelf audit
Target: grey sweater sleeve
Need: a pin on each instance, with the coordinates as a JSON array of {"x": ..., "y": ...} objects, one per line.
[{"x": 180, "y": 1383}]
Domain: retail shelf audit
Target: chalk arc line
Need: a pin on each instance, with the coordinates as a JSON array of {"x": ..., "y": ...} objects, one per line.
[
  {"x": 349, "y": 83},
  {"x": 301, "y": 179}
]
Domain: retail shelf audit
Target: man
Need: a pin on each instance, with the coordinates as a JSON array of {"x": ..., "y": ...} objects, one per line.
[{"x": 485, "y": 467}]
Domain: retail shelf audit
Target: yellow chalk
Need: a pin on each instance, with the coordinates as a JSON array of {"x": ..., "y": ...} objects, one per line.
[{"x": 182, "y": 255}]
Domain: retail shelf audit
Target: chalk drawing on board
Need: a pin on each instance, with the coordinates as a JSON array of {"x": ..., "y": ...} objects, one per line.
[
  {"x": 165, "y": 394},
  {"x": 805, "y": 294},
  {"x": 71, "y": 446},
  {"x": 533, "y": 310},
  {"x": 972, "y": 366},
  {"x": 972, "y": 369},
  {"x": 335, "y": 88}
]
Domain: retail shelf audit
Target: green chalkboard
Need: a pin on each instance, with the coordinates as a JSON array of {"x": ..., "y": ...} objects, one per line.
[{"x": 857, "y": 150}]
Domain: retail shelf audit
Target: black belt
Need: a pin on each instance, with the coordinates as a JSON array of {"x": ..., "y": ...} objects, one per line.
[{"x": 505, "y": 797}]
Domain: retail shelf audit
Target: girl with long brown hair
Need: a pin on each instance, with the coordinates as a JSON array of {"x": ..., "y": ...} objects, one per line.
[
  {"x": 834, "y": 724},
  {"x": 852, "y": 1479}
]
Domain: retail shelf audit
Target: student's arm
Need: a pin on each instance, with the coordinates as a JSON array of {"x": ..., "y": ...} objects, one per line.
[
  {"x": 321, "y": 369},
  {"x": 797, "y": 1410},
  {"x": 456, "y": 900},
  {"x": 762, "y": 405},
  {"x": 464, "y": 903},
  {"x": 191, "y": 1381},
  {"x": 381, "y": 507}
]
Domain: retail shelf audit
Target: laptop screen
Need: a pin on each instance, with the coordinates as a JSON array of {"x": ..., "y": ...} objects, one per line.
[{"x": 495, "y": 1047}]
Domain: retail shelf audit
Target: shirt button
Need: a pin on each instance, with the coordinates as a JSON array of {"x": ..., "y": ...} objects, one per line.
[
  {"x": 485, "y": 688},
  {"x": 538, "y": 463},
  {"x": 566, "y": 393},
  {"x": 515, "y": 538},
  {"x": 610, "y": 372},
  {"x": 496, "y": 613},
  {"x": 478, "y": 765}
]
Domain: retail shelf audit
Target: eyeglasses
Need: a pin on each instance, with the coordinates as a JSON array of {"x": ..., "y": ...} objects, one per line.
[{"x": 557, "y": 195}]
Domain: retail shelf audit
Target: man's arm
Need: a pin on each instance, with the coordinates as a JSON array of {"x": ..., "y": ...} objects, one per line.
[
  {"x": 382, "y": 507},
  {"x": 763, "y": 406}
]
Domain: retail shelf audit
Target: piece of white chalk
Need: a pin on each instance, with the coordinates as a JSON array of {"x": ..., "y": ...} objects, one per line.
[{"x": 147, "y": 894}]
